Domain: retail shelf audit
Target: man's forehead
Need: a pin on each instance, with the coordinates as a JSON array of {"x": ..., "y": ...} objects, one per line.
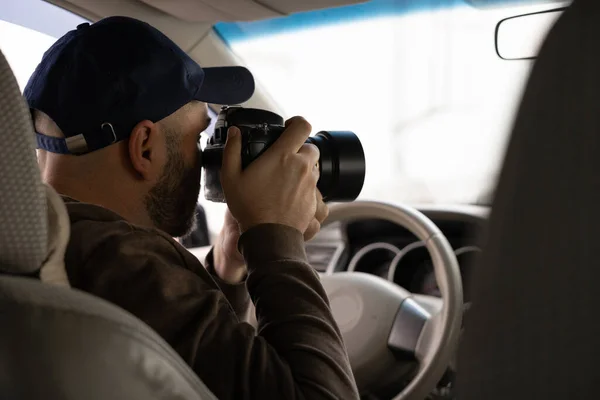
[
  {"x": 198, "y": 105},
  {"x": 198, "y": 108},
  {"x": 191, "y": 111}
]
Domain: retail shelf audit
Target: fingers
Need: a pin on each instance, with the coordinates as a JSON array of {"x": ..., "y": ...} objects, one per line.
[
  {"x": 311, "y": 152},
  {"x": 294, "y": 136},
  {"x": 313, "y": 228},
  {"x": 320, "y": 216},
  {"x": 229, "y": 219},
  {"x": 232, "y": 154},
  {"x": 322, "y": 209},
  {"x": 289, "y": 121}
]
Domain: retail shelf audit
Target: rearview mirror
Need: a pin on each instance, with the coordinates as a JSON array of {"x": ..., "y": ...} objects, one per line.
[{"x": 520, "y": 37}]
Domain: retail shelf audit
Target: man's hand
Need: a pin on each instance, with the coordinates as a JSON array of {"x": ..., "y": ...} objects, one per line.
[
  {"x": 320, "y": 216},
  {"x": 228, "y": 262},
  {"x": 279, "y": 186}
]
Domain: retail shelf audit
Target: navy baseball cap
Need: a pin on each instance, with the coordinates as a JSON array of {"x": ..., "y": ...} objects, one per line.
[{"x": 100, "y": 80}]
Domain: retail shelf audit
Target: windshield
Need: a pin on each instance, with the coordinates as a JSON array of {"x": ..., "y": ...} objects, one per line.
[
  {"x": 418, "y": 81},
  {"x": 27, "y": 29}
]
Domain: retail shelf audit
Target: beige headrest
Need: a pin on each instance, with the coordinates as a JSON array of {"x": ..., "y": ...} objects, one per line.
[{"x": 59, "y": 229}]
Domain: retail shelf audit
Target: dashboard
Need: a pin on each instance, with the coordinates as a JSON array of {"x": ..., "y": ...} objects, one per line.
[{"x": 391, "y": 252}]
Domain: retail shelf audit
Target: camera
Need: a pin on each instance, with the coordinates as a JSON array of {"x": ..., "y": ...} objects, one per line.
[{"x": 341, "y": 162}]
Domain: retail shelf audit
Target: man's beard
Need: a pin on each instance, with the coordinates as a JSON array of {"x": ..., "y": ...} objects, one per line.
[{"x": 171, "y": 203}]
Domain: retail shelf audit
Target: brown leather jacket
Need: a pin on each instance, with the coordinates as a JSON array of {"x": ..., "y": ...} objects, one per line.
[{"x": 295, "y": 353}]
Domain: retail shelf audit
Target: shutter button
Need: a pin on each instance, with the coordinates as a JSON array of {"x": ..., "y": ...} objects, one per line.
[{"x": 84, "y": 25}]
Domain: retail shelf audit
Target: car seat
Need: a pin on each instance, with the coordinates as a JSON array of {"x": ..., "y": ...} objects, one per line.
[{"x": 533, "y": 330}]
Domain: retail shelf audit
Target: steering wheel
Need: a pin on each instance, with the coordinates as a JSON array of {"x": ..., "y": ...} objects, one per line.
[{"x": 387, "y": 329}]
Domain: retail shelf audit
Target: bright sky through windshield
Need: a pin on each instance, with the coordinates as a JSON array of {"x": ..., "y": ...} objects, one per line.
[
  {"x": 425, "y": 92},
  {"x": 23, "y": 48}
]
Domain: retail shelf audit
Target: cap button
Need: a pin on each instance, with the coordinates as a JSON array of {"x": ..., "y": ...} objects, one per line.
[{"x": 84, "y": 25}]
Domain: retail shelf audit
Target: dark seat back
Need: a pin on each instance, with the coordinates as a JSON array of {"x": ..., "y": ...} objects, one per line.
[{"x": 533, "y": 331}]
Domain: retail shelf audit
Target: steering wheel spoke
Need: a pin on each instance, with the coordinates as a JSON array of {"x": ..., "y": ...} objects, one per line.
[
  {"x": 414, "y": 328},
  {"x": 428, "y": 339}
]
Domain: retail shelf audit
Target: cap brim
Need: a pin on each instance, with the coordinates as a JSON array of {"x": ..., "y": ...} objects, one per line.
[{"x": 226, "y": 85}]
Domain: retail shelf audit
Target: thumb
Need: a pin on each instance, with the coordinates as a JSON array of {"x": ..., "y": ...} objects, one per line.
[{"x": 232, "y": 154}]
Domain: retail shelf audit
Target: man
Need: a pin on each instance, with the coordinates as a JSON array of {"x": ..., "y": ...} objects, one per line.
[{"x": 118, "y": 109}]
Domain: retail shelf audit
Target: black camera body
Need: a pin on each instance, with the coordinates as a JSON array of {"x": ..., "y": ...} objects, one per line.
[{"x": 341, "y": 162}]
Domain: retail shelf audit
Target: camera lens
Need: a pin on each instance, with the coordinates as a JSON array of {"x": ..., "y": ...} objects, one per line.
[{"x": 342, "y": 165}]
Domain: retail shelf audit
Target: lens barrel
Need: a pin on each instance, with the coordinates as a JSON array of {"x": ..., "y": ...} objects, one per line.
[{"x": 342, "y": 165}]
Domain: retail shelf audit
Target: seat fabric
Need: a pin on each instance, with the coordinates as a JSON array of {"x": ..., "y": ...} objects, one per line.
[{"x": 533, "y": 329}]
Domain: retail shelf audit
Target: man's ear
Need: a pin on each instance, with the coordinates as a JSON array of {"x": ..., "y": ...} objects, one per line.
[{"x": 145, "y": 150}]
